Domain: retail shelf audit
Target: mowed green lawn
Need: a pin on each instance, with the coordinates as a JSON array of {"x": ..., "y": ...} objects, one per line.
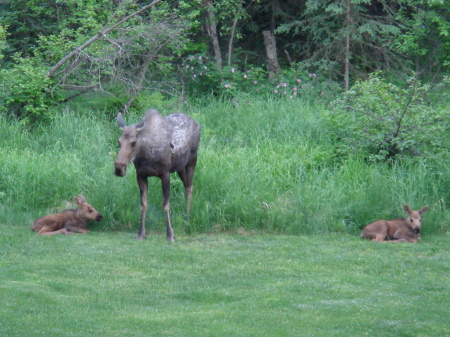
[{"x": 109, "y": 284}]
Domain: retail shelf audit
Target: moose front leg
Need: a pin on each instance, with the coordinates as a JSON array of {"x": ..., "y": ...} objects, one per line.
[
  {"x": 143, "y": 188},
  {"x": 165, "y": 181}
]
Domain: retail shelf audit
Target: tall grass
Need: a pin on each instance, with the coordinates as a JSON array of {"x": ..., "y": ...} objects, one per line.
[{"x": 264, "y": 164}]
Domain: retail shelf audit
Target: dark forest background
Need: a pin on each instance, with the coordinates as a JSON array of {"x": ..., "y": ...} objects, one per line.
[{"x": 53, "y": 51}]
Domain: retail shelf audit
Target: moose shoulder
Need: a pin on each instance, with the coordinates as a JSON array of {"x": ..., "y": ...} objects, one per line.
[{"x": 158, "y": 146}]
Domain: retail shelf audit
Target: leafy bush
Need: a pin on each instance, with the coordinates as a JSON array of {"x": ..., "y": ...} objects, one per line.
[
  {"x": 26, "y": 90},
  {"x": 382, "y": 121}
]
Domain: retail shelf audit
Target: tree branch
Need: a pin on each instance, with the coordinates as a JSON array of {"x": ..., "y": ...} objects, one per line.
[{"x": 51, "y": 72}]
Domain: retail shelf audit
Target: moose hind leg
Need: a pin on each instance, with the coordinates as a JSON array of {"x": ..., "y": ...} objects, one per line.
[
  {"x": 187, "y": 183},
  {"x": 143, "y": 188},
  {"x": 165, "y": 181}
]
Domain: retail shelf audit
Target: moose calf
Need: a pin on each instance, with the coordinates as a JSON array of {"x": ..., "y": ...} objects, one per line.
[
  {"x": 397, "y": 230},
  {"x": 68, "y": 221}
]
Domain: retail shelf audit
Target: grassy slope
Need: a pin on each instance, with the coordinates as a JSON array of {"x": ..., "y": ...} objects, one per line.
[{"x": 108, "y": 284}]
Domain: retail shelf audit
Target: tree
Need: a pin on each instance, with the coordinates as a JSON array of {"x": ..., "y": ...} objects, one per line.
[
  {"x": 426, "y": 37},
  {"x": 131, "y": 52},
  {"x": 211, "y": 28},
  {"x": 347, "y": 36}
]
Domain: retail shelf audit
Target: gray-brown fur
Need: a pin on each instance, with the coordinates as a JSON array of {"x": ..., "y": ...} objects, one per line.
[
  {"x": 158, "y": 146},
  {"x": 397, "y": 230},
  {"x": 68, "y": 221}
]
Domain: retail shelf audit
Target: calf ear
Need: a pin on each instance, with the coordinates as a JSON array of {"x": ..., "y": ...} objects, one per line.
[
  {"x": 407, "y": 209},
  {"x": 120, "y": 121},
  {"x": 79, "y": 200},
  {"x": 424, "y": 209}
]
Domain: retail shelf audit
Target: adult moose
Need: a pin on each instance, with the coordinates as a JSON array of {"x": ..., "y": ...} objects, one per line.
[
  {"x": 158, "y": 146},
  {"x": 398, "y": 230}
]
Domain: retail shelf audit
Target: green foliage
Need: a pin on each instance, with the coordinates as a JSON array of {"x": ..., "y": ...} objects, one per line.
[
  {"x": 311, "y": 38},
  {"x": 147, "y": 99},
  {"x": 328, "y": 24},
  {"x": 30, "y": 20},
  {"x": 427, "y": 34},
  {"x": 26, "y": 90},
  {"x": 201, "y": 75},
  {"x": 3, "y": 35},
  {"x": 382, "y": 121},
  {"x": 40, "y": 33}
]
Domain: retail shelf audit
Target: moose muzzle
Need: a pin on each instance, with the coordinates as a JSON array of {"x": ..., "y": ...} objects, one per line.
[{"x": 120, "y": 169}]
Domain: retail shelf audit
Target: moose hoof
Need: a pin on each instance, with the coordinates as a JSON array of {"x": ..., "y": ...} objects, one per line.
[
  {"x": 141, "y": 237},
  {"x": 171, "y": 239}
]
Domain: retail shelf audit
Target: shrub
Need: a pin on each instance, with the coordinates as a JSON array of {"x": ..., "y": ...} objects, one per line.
[
  {"x": 26, "y": 91},
  {"x": 382, "y": 121}
]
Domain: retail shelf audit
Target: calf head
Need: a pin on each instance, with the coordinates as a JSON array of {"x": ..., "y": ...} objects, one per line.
[
  {"x": 85, "y": 211},
  {"x": 127, "y": 143},
  {"x": 414, "y": 217}
]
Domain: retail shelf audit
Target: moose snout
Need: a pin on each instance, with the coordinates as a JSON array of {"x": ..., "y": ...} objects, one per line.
[
  {"x": 120, "y": 169},
  {"x": 99, "y": 218},
  {"x": 417, "y": 230}
]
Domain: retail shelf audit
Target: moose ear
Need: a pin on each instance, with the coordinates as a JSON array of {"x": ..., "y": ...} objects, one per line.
[
  {"x": 120, "y": 121},
  {"x": 424, "y": 209},
  {"x": 407, "y": 209},
  {"x": 140, "y": 125}
]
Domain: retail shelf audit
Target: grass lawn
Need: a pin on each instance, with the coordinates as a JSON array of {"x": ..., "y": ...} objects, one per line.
[{"x": 109, "y": 284}]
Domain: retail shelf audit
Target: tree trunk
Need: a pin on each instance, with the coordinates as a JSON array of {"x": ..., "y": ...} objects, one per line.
[
  {"x": 212, "y": 31},
  {"x": 233, "y": 29},
  {"x": 271, "y": 50},
  {"x": 347, "y": 46}
]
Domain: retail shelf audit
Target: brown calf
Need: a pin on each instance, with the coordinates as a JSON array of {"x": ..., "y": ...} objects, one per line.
[
  {"x": 68, "y": 221},
  {"x": 397, "y": 230}
]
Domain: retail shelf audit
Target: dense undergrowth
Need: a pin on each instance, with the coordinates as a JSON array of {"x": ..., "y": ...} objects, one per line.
[{"x": 265, "y": 164}]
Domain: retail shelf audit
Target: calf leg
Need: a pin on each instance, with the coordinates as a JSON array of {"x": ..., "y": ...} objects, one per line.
[
  {"x": 47, "y": 231},
  {"x": 76, "y": 229},
  {"x": 143, "y": 188},
  {"x": 401, "y": 237},
  {"x": 376, "y": 231}
]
